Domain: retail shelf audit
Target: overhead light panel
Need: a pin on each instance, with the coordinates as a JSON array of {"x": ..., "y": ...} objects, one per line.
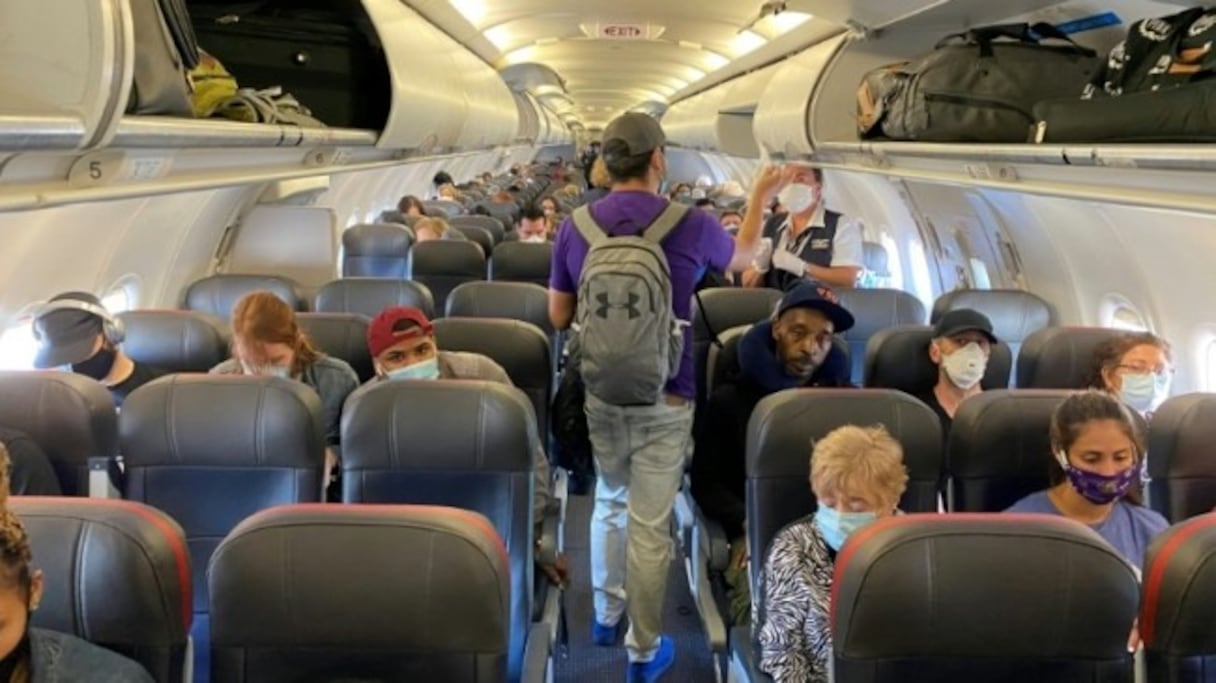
[
  {"x": 786, "y": 21},
  {"x": 541, "y": 42},
  {"x": 689, "y": 45},
  {"x": 499, "y": 35},
  {"x": 474, "y": 11},
  {"x": 715, "y": 61},
  {"x": 745, "y": 42}
]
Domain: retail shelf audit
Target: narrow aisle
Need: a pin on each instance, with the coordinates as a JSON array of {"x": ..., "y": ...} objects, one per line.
[{"x": 589, "y": 664}]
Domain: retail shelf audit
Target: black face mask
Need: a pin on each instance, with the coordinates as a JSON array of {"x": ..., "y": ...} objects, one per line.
[
  {"x": 19, "y": 654},
  {"x": 98, "y": 366}
]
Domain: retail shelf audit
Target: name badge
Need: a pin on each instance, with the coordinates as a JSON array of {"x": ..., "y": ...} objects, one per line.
[{"x": 821, "y": 244}]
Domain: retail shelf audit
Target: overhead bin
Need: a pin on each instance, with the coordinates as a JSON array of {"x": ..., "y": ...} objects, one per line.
[
  {"x": 492, "y": 117},
  {"x": 529, "y": 117},
  {"x": 782, "y": 122},
  {"x": 692, "y": 122},
  {"x": 737, "y": 110}
]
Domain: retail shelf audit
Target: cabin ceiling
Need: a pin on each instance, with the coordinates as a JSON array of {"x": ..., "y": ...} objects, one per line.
[{"x": 686, "y": 45}]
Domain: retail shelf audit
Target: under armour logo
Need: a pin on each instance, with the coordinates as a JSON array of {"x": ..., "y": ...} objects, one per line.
[{"x": 605, "y": 305}]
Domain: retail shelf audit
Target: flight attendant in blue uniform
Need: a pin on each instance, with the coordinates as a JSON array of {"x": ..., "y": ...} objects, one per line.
[{"x": 810, "y": 241}]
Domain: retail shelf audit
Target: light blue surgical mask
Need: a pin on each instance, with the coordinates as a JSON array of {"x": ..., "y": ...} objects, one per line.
[
  {"x": 427, "y": 369},
  {"x": 1144, "y": 391},
  {"x": 282, "y": 371},
  {"x": 836, "y": 526}
]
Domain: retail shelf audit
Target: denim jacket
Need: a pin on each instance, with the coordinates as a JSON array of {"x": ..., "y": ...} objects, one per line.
[{"x": 61, "y": 658}]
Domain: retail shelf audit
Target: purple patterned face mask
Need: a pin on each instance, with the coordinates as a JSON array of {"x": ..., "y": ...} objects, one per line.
[{"x": 1100, "y": 489}]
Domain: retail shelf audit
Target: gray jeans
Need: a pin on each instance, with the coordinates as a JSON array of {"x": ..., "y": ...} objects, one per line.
[{"x": 639, "y": 458}]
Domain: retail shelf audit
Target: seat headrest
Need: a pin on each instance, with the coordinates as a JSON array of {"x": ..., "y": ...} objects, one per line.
[
  {"x": 878, "y": 309},
  {"x": 1182, "y": 470},
  {"x": 1015, "y": 314},
  {"x": 70, "y": 416},
  {"x": 478, "y": 235},
  {"x": 438, "y": 425},
  {"x": 890, "y": 597},
  {"x": 367, "y": 296},
  {"x": 1000, "y": 447},
  {"x": 898, "y": 358},
  {"x": 523, "y": 301},
  {"x": 1180, "y": 590},
  {"x": 414, "y": 579},
  {"x": 443, "y": 207},
  {"x": 1060, "y": 357},
  {"x": 175, "y": 341},
  {"x": 341, "y": 335},
  {"x": 118, "y": 572},
  {"x": 521, "y": 261},
  {"x": 722, "y": 308},
  {"x": 218, "y": 294},
  {"x": 447, "y": 257},
  {"x": 173, "y": 420},
  {"x": 488, "y": 223},
  {"x": 375, "y": 249}
]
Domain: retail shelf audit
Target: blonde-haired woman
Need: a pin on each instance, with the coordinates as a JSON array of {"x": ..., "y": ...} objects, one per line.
[{"x": 858, "y": 476}]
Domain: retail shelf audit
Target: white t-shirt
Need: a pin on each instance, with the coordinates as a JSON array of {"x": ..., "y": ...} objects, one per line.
[{"x": 846, "y": 245}]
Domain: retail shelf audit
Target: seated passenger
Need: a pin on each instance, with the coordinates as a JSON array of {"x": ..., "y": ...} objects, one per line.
[
  {"x": 601, "y": 183},
  {"x": 1137, "y": 368},
  {"x": 1098, "y": 456},
  {"x": 74, "y": 329},
  {"x": 433, "y": 228},
  {"x": 792, "y": 350},
  {"x": 267, "y": 340},
  {"x": 533, "y": 226},
  {"x": 411, "y": 206},
  {"x": 549, "y": 207},
  {"x": 962, "y": 343},
  {"x": 32, "y": 473},
  {"x": 402, "y": 343},
  {"x": 810, "y": 241},
  {"x": 35, "y": 654},
  {"x": 858, "y": 476},
  {"x": 448, "y": 192}
]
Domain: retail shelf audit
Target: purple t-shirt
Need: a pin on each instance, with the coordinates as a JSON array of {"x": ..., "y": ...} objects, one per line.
[
  {"x": 699, "y": 241},
  {"x": 1129, "y": 528}
]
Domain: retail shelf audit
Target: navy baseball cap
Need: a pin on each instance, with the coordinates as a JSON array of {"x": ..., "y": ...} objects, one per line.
[
  {"x": 820, "y": 298},
  {"x": 963, "y": 320}
]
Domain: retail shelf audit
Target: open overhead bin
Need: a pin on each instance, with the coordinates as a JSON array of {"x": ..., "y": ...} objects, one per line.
[
  {"x": 737, "y": 111},
  {"x": 782, "y": 122}
]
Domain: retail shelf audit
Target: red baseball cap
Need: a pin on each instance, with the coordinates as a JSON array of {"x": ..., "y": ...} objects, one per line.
[{"x": 380, "y": 334}]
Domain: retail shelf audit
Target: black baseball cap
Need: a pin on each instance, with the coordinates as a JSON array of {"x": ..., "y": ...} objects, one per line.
[
  {"x": 66, "y": 335},
  {"x": 819, "y": 297},
  {"x": 963, "y": 320}
]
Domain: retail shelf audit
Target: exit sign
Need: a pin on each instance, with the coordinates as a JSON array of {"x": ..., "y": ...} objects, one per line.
[{"x": 622, "y": 31}]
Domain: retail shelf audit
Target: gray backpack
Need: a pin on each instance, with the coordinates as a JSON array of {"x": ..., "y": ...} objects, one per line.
[{"x": 628, "y": 340}]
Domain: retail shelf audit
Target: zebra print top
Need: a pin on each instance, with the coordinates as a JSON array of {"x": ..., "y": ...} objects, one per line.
[{"x": 793, "y": 617}]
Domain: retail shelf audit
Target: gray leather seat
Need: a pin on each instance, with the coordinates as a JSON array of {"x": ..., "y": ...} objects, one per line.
[
  {"x": 898, "y": 358},
  {"x": 998, "y": 598},
  {"x": 175, "y": 341},
  {"x": 479, "y": 236},
  {"x": 1000, "y": 448},
  {"x": 443, "y": 265},
  {"x": 375, "y": 250},
  {"x": 367, "y": 296},
  {"x": 520, "y": 348},
  {"x": 522, "y": 262},
  {"x": 70, "y": 416},
  {"x": 343, "y": 336},
  {"x": 876, "y": 310},
  {"x": 210, "y": 450},
  {"x": 421, "y": 594},
  {"x": 118, "y": 574},
  {"x": 1015, "y": 314},
  {"x": 217, "y": 294},
  {"x": 1182, "y": 471},
  {"x": 443, "y": 208},
  {"x": 717, "y": 310},
  {"x": 512, "y": 300},
  {"x": 1060, "y": 357},
  {"x": 464, "y": 444},
  {"x": 489, "y": 223},
  {"x": 1178, "y": 601}
]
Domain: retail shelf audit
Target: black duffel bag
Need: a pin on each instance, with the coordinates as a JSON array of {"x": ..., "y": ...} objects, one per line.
[
  {"x": 1158, "y": 85},
  {"x": 977, "y": 86}
]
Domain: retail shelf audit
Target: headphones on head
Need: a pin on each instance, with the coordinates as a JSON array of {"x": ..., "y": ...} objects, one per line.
[{"x": 111, "y": 327}]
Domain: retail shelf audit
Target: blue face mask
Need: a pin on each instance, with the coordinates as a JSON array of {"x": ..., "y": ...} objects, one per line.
[
  {"x": 1143, "y": 392},
  {"x": 427, "y": 369},
  {"x": 836, "y": 526},
  {"x": 282, "y": 371}
]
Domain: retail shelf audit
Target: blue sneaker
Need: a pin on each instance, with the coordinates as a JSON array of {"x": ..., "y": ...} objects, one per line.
[
  {"x": 652, "y": 671},
  {"x": 606, "y": 636}
]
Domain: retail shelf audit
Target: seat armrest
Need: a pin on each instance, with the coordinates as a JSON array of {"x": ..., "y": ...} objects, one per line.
[
  {"x": 105, "y": 477},
  {"x": 537, "y": 656},
  {"x": 744, "y": 663}
]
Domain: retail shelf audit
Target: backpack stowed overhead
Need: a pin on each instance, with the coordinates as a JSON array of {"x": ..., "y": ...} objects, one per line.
[
  {"x": 977, "y": 86},
  {"x": 628, "y": 341}
]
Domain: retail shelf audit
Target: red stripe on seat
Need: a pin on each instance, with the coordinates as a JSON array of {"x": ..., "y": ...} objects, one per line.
[
  {"x": 1155, "y": 573},
  {"x": 158, "y": 519}
]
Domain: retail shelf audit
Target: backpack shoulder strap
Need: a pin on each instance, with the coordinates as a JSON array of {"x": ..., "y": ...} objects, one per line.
[
  {"x": 585, "y": 223},
  {"x": 665, "y": 223}
]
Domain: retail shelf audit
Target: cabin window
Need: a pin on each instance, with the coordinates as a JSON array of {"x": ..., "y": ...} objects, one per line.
[
  {"x": 979, "y": 275},
  {"x": 921, "y": 281},
  {"x": 18, "y": 346},
  {"x": 123, "y": 296},
  {"x": 895, "y": 266},
  {"x": 1120, "y": 314}
]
